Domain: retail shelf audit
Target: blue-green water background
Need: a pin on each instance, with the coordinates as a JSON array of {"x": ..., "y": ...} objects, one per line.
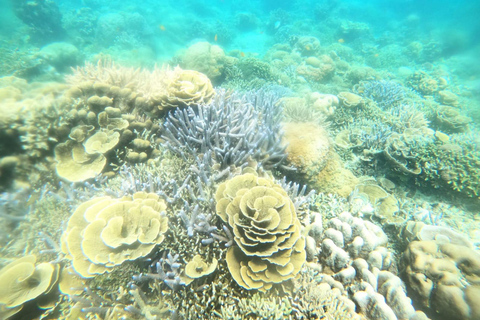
[{"x": 94, "y": 26}]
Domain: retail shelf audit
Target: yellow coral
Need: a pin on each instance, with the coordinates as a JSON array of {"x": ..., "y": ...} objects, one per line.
[
  {"x": 269, "y": 246},
  {"x": 22, "y": 281},
  {"x": 184, "y": 88},
  {"x": 75, "y": 164},
  {"x": 104, "y": 232}
]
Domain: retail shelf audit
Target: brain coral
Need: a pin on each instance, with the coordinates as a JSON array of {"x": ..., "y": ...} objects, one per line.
[
  {"x": 104, "y": 232},
  {"x": 269, "y": 246}
]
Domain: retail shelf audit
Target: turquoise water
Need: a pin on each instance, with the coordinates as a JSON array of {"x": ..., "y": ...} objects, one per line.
[{"x": 239, "y": 159}]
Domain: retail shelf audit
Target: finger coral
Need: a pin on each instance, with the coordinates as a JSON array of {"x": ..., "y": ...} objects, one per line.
[
  {"x": 269, "y": 246},
  {"x": 104, "y": 232}
]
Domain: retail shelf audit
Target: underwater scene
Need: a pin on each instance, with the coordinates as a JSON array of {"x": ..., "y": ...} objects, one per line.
[{"x": 234, "y": 160}]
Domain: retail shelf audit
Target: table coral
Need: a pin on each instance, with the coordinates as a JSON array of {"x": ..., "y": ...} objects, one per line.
[
  {"x": 103, "y": 232},
  {"x": 269, "y": 246}
]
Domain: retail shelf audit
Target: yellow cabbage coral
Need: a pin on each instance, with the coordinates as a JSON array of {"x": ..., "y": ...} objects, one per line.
[
  {"x": 198, "y": 268},
  {"x": 184, "y": 88},
  {"x": 75, "y": 164},
  {"x": 104, "y": 232},
  {"x": 269, "y": 247}
]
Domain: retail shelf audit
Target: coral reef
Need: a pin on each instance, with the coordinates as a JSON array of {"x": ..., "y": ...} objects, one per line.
[
  {"x": 269, "y": 248},
  {"x": 451, "y": 165}
]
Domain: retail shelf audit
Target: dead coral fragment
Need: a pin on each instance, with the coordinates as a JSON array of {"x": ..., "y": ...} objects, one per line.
[
  {"x": 269, "y": 247},
  {"x": 104, "y": 232},
  {"x": 185, "y": 88}
]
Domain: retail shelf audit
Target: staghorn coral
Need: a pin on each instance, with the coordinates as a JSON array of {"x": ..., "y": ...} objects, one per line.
[
  {"x": 269, "y": 247},
  {"x": 103, "y": 232},
  {"x": 232, "y": 129},
  {"x": 385, "y": 93},
  {"x": 257, "y": 307},
  {"x": 315, "y": 298}
]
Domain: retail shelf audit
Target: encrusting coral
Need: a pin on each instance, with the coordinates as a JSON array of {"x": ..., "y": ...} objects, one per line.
[
  {"x": 445, "y": 277},
  {"x": 269, "y": 246},
  {"x": 103, "y": 232}
]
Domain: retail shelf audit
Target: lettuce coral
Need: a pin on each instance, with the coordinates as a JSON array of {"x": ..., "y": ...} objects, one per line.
[
  {"x": 22, "y": 280},
  {"x": 104, "y": 232},
  {"x": 269, "y": 246},
  {"x": 185, "y": 88}
]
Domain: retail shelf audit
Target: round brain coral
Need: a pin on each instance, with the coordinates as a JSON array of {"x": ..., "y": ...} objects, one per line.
[
  {"x": 104, "y": 232},
  {"x": 269, "y": 246}
]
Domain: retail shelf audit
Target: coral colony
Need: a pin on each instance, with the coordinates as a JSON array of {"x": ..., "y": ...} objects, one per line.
[{"x": 263, "y": 162}]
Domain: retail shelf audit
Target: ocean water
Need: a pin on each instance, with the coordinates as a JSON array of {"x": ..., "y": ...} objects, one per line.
[{"x": 233, "y": 159}]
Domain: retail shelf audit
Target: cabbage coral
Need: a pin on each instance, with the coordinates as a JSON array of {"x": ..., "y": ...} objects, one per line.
[
  {"x": 269, "y": 246},
  {"x": 104, "y": 232}
]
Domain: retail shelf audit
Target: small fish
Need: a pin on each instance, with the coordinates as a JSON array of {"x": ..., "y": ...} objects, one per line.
[
  {"x": 376, "y": 55},
  {"x": 341, "y": 40},
  {"x": 216, "y": 38},
  {"x": 161, "y": 27},
  {"x": 307, "y": 47},
  {"x": 242, "y": 54},
  {"x": 277, "y": 24}
]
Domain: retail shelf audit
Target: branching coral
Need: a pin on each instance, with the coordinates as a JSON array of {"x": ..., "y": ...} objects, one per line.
[
  {"x": 232, "y": 128},
  {"x": 385, "y": 93},
  {"x": 269, "y": 247}
]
